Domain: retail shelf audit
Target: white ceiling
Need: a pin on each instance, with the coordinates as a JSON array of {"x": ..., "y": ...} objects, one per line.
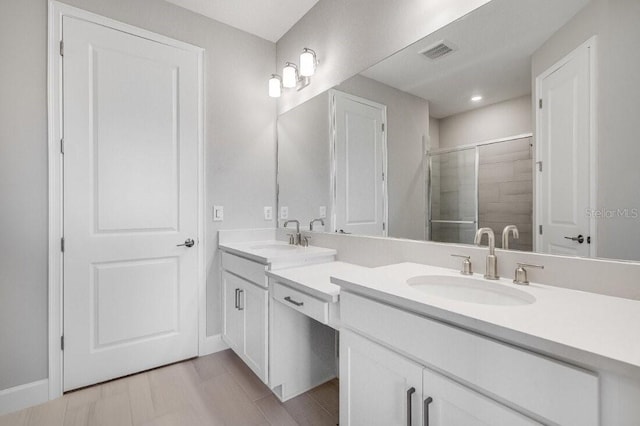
[
  {"x": 269, "y": 19},
  {"x": 495, "y": 44}
]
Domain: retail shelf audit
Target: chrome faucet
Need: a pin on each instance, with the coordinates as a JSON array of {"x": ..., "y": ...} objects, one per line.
[
  {"x": 505, "y": 235},
  {"x": 314, "y": 221},
  {"x": 491, "y": 273},
  {"x": 297, "y": 237}
]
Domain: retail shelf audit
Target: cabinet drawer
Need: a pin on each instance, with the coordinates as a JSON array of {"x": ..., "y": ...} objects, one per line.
[
  {"x": 528, "y": 382},
  {"x": 247, "y": 269},
  {"x": 301, "y": 302}
]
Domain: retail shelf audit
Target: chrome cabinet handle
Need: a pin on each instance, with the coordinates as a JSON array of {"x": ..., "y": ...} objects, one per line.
[
  {"x": 425, "y": 410},
  {"x": 240, "y": 306},
  {"x": 410, "y": 393},
  {"x": 290, "y": 300},
  {"x": 579, "y": 239},
  {"x": 237, "y": 289},
  {"x": 188, "y": 243}
]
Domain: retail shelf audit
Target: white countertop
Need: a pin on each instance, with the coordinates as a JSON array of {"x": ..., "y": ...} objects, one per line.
[
  {"x": 592, "y": 330},
  {"x": 316, "y": 279},
  {"x": 272, "y": 251}
]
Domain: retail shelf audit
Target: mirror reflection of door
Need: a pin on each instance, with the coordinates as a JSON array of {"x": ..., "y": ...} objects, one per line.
[
  {"x": 563, "y": 156},
  {"x": 359, "y": 165}
]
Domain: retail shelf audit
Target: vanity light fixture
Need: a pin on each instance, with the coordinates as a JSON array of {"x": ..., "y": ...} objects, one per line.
[
  {"x": 476, "y": 98},
  {"x": 275, "y": 86},
  {"x": 308, "y": 62},
  {"x": 290, "y": 75}
]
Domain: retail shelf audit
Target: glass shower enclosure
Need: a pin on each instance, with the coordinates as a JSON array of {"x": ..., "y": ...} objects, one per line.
[
  {"x": 489, "y": 184},
  {"x": 453, "y": 196}
]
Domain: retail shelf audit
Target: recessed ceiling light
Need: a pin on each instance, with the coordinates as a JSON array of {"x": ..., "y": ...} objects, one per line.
[{"x": 476, "y": 98}]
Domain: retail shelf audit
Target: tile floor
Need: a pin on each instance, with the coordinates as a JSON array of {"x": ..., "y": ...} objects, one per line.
[{"x": 218, "y": 389}]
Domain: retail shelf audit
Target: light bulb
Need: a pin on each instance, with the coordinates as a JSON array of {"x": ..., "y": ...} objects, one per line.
[
  {"x": 476, "y": 98},
  {"x": 290, "y": 75},
  {"x": 275, "y": 86},
  {"x": 308, "y": 62}
]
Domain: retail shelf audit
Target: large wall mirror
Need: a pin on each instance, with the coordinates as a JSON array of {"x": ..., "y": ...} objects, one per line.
[{"x": 520, "y": 113}]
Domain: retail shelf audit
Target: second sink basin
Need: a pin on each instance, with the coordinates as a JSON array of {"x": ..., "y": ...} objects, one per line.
[{"x": 470, "y": 290}]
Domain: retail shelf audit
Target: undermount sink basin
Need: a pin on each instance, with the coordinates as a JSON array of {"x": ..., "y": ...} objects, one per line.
[
  {"x": 470, "y": 290},
  {"x": 273, "y": 247}
]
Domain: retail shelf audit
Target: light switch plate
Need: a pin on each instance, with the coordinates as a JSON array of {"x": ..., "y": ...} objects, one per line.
[
  {"x": 218, "y": 213},
  {"x": 268, "y": 213},
  {"x": 323, "y": 212},
  {"x": 284, "y": 212}
]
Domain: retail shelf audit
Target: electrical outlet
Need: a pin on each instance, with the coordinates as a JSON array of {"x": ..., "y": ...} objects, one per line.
[
  {"x": 323, "y": 212},
  {"x": 218, "y": 213},
  {"x": 268, "y": 213},
  {"x": 284, "y": 212}
]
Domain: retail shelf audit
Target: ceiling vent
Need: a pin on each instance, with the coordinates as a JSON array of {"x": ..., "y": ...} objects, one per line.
[{"x": 438, "y": 50}]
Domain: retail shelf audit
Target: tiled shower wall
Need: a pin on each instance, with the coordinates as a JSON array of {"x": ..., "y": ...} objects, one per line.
[{"x": 505, "y": 189}]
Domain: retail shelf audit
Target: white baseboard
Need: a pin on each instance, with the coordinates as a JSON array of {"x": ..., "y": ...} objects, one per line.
[
  {"x": 213, "y": 344},
  {"x": 23, "y": 396}
]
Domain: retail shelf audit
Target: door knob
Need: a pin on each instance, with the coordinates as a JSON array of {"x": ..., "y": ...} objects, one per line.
[
  {"x": 579, "y": 239},
  {"x": 189, "y": 243}
]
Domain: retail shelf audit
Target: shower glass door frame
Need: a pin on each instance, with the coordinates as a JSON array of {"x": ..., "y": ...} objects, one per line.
[{"x": 429, "y": 163}]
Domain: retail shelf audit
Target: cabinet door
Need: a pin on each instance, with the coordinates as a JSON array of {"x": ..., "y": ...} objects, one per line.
[
  {"x": 233, "y": 316},
  {"x": 253, "y": 303},
  {"x": 377, "y": 386},
  {"x": 453, "y": 404}
]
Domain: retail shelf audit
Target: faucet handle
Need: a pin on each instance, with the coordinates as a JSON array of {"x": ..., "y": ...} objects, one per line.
[
  {"x": 305, "y": 241},
  {"x": 521, "y": 273},
  {"x": 292, "y": 239},
  {"x": 466, "y": 264}
]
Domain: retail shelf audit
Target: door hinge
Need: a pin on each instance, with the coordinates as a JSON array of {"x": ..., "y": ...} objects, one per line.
[
  {"x": 540, "y": 229},
  {"x": 384, "y": 226},
  {"x": 62, "y": 343},
  {"x": 383, "y": 127},
  {"x": 61, "y": 48},
  {"x": 382, "y": 175},
  {"x": 539, "y": 163},
  {"x": 62, "y": 244},
  {"x": 61, "y": 146},
  {"x": 540, "y": 103}
]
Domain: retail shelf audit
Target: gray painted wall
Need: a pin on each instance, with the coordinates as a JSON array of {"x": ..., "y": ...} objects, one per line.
[
  {"x": 504, "y": 119},
  {"x": 23, "y": 188},
  {"x": 240, "y": 156},
  {"x": 615, "y": 22}
]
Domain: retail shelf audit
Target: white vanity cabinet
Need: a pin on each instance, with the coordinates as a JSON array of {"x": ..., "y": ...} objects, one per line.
[
  {"x": 245, "y": 289},
  {"x": 472, "y": 379},
  {"x": 381, "y": 387},
  {"x": 245, "y": 321},
  {"x": 377, "y": 386}
]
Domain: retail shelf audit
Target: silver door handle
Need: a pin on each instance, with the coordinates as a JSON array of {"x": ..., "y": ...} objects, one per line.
[
  {"x": 579, "y": 239},
  {"x": 188, "y": 243}
]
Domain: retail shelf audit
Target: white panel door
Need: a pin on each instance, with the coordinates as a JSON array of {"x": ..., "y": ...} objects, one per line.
[
  {"x": 130, "y": 197},
  {"x": 447, "y": 403},
  {"x": 359, "y": 166},
  {"x": 563, "y": 148},
  {"x": 377, "y": 386}
]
